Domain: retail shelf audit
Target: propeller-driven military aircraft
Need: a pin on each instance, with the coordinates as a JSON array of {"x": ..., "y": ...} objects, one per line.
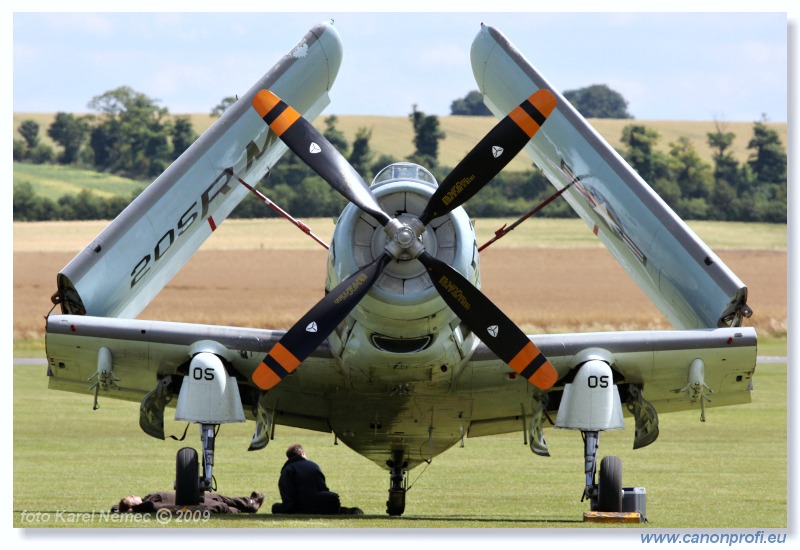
[{"x": 403, "y": 356}]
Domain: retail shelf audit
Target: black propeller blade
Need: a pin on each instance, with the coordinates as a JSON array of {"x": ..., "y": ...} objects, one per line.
[
  {"x": 490, "y": 155},
  {"x": 317, "y": 152},
  {"x": 309, "y": 332},
  {"x": 485, "y": 319},
  {"x": 491, "y": 325}
]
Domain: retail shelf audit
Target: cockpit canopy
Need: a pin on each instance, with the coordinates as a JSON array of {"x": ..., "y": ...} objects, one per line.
[{"x": 404, "y": 171}]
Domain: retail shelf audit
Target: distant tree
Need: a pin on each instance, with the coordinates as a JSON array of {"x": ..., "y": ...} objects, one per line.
[
  {"x": 361, "y": 155},
  {"x": 766, "y": 197},
  {"x": 104, "y": 140},
  {"x": 71, "y": 133},
  {"x": 223, "y": 106},
  {"x": 183, "y": 135},
  {"x": 726, "y": 167},
  {"x": 724, "y": 200},
  {"x": 23, "y": 148},
  {"x": 25, "y": 202},
  {"x": 314, "y": 197},
  {"x": 694, "y": 178},
  {"x": 20, "y": 150},
  {"x": 640, "y": 152},
  {"x": 598, "y": 101},
  {"x": 427, "y": 135},
  {"x": 133, "y": 137},
  {"x": 41, "y": 154},
  {"x": 334, "y": 135},
  {"x": 768, "y": 159},
  {"x": 29, "y": 130},
  {"x": 30, "y": 207},
  {"x": 470, "y": 105},
  {"x": 531, "y": 185},
  {"x": 692, "y": 174}
]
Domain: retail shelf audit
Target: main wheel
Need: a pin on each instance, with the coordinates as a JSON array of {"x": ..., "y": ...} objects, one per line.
[
  {"x": 609, "y": 490},
  {"x": 187, "y": 484}
]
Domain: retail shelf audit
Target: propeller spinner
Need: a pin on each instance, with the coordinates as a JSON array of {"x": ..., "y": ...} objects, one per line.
[{"x": 478, "y": 167}]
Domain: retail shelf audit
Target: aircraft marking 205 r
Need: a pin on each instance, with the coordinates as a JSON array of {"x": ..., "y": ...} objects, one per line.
[{"x": 403, "y": 356}]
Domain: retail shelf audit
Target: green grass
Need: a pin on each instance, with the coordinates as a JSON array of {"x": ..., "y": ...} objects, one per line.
[
  {"x": 54, "y": 181},
  {"x": 741, "y": 235},
  {"x": 728, "y": 472}
]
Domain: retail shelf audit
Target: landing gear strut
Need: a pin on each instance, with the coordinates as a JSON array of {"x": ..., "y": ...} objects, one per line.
[
  {"x": 606, "y": 494},
  {"x": 398, "y": 483},
  {"x": 209, "y": 397}
]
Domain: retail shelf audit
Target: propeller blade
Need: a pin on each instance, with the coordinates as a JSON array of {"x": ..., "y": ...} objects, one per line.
[
  {"x": 316, "y": 325},
  {"x": 490, "y": 155},
  {"x": 491, "y": 325},
  {"x": 317, "y": 152}
]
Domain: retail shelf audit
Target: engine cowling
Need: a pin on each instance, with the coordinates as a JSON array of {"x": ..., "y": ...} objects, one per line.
[{"x": 402, "y": 312}]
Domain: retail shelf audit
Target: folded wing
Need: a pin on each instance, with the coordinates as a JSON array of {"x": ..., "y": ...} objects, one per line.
[
  {"x": 691, "y": 286},
  {"x": 130, "y": 261}
]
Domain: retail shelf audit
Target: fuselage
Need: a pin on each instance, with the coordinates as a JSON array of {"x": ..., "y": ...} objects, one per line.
[{"x": 401, "y": 347}]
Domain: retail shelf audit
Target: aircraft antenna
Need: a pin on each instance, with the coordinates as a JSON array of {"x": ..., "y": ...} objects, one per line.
[{"x": 303, "y": 227}]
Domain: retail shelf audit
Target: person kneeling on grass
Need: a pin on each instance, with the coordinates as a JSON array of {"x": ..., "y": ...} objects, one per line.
[
  {"x": 213, "y": 502},
  {"x": 303, "y": 488}
]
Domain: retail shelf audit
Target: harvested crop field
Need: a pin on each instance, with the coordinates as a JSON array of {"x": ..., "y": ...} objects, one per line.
[{"x": 238, "y": 281}]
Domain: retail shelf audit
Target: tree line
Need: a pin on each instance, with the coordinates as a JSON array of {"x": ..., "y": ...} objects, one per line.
[{"x": 131, "y": 136}]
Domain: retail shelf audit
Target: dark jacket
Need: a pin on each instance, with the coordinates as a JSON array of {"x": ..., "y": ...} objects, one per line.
[{"x": 300, "y": 484}]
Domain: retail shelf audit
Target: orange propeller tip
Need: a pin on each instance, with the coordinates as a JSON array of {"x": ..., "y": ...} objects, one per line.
[
  {"x": 264, "y": 101},
  {"x": 264, "y": 377},
  {"x": 545, "y": 376},
  {"x": 544, "y": 101}
]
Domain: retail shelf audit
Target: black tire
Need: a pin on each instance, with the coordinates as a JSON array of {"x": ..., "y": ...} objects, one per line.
[
  {"x": 609, "y": 491},
  {"x": 396, "y": 504},
  {"x": 187, "y": 481}
]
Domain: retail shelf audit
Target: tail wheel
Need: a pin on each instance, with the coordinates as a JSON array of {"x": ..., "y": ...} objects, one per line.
[
  {"x": 187, "y": 485},
  {"x": 609, "y": 498},
  {"x": 396, "y": 504}
]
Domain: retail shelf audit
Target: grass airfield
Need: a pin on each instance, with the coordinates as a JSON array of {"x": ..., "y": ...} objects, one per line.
[
  {"x": 71, "y": 464},
  {"x": 729, "y": 472}
]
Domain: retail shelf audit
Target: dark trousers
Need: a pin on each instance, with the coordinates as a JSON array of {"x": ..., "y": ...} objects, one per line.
[
  {"x": 221, "y": 504},
  {"x": 323, "y": 503}
]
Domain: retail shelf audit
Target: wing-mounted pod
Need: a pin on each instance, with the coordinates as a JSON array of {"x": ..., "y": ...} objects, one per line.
[
  {"x": 104, "y": 376},
  {"x": 131, "y": 260},
  {"x": 696, "y": 386},
  {"x": 691, "y": 286}
]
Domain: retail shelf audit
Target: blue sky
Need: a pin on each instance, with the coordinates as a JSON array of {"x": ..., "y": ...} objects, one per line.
[{"x": 678, "y": 66}]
